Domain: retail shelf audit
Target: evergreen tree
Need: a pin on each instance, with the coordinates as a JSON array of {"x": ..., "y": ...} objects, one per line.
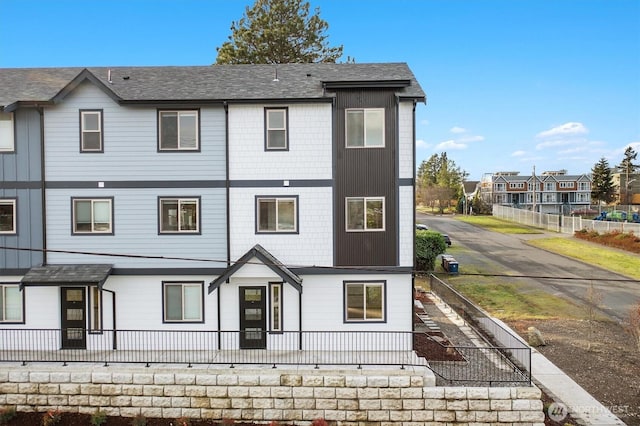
[
  {"x": 627, "y": 167},
  {"x": 602, "y": 189},
  {"x": 278, "y": 32},
  {"x": 439, "y": 180}
]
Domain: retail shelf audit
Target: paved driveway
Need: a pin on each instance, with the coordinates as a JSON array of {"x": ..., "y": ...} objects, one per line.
[{"x": 570, "y": 278}]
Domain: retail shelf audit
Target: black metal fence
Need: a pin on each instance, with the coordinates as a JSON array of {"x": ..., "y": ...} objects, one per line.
[
  {"x": 482, "y": 366},
  {"x": 497, "y": 336}
]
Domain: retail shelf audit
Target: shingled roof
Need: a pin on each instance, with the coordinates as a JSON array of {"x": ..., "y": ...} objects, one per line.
[{"x": 207, "y": 83}]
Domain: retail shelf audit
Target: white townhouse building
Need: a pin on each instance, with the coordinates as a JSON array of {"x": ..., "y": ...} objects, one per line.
[{"x": 252, "y": 199}]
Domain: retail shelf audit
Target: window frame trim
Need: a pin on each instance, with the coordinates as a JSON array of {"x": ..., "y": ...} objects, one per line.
[
  {"x": 3, "y": 284},
  {"x": 100, "y": 131},
  {"x": 296, "y": 200},
  {"x": 159, "y": 130},
  {"x": 90, "y": 316},
  {"x": 364, "y": 142},
  {"x": 12, "y": 202},
  {"x": 92, "y": 199},
  {"x": 164, "y": 300},
  {"x": 197, "y": 198},
  {"x": 266, "y": 128},
  {"x": 13, "y": 135},
  {"x": 365, "y": 229},
  {"x": 345, "y": 318},
  {"x": 271, "y": 285}
]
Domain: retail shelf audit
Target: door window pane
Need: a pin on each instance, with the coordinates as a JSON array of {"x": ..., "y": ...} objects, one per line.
[{"x": 74, "y": 295}]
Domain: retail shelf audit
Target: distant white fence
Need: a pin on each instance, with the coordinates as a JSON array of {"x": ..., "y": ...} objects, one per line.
[{"x": 562, "y": 224}]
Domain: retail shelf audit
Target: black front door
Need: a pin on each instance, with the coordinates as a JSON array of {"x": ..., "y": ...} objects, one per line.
[
  {"x": 74, "y": 317},
  {"x": 253, "y": 318}
]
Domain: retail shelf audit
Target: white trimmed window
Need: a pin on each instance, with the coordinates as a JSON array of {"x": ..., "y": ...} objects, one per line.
[
  {"x": 584, "y": 186},
  {"x": 11, "y": 303},
  {"x": 566, "y": 184},
  {"x": 7, "y": 141},
  {"x": 277, "y": 214},
  {"x": 365, "y": 128},
  {"x": 179, "y": 215},
  {"x": 92, "y": 216},
  {"x": 499, "y": 186},
  {"x": 95, "y": 301},
  {"x": 518, "y": 185},
  {"x": 364, "y": 301},
  {"x": 276, "y": 129},
  {"x": 7, "y": 216},
  {"x": 91, "y": 131},
  {"x": 183, "y": 302},
  {"x": 365, "y": 214},
  {"x": 178, "y": 130},
  {"x": 275, "y": 297}
]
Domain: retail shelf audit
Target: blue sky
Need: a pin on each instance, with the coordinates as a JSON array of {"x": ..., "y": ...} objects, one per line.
[{"x": 511, "y": 84}]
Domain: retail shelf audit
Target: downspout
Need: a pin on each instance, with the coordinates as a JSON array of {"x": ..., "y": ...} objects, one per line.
[
  {"x": 227, "y": 212},
  {"x": 42, "y": 188},
  {"x": 300, "y": 321},
  {"x": 113, "y": 312},
  {"x": 413, "y": 201}
]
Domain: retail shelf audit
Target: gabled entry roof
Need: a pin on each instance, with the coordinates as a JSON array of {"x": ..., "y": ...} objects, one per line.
[
  {"x": 67, "y": 275},
  {"x": 268, "y": 260}
]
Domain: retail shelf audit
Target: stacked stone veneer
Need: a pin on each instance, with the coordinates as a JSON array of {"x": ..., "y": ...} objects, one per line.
[{"x": 289, "y": 396}]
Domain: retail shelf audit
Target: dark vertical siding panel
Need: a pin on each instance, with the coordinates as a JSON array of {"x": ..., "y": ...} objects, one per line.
[
  {"x": 366, "y": 172},
  {"x": 23, "y": 167}
]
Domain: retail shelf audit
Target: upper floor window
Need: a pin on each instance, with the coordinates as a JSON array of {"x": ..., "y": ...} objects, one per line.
[
  {"x": 11, "y": 303},
  {"x": 519, "y": 185},
  {"x": 182, "y": 302},
  {"x": 584, "y": 186},
  {"x": 365, "y": 213},
  {"x": 566, "y": 184},
  {"x": 92, "y": 216},
  {"x": 178, "y": 130},
  {"x": 91, "y": 131},
  {"x": 277, "y": 214},
  {"x": 7, "y": 216},
  {"x": 364, "y": 301},
  {"x": 499, "y": 186},
  {"x": 7, "y": 143},
  {"x": 365, "y": 128},
  {"x": 179, "y": 215},
  {"x": 276, "y": 129},
  {"x": 549, "y": 186}
]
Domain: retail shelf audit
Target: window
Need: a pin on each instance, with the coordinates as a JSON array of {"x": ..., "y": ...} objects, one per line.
[
  {"x": 178, "y": 130},
  {"x": 7, "y": 143},
  {"x": 91, "y": 131},
  {"x": 364, "y": 301},
  {"x": 499, "y": 187},
  {"x": 365, "y": 128},
  {"x": 566, "y": 184},
  {"x": 276, "y": 129},
  {"x": 7, "y": 216},
  {"x": 92, "y": 216},
  {"x": 516, "y": 185},
  {"x": 183, "y": 302},
  {"x": 95, "y": 300},
  {"x": 277, "y": 214},
  {"x": 365, "y": 214},
  {"x": 584, "y": 186},
  {"x": 11, "y": 303},
  {"x": 549, "y": 186},
  {"x": 179, "y": 215},
  {"x": 275, "y": 298}
]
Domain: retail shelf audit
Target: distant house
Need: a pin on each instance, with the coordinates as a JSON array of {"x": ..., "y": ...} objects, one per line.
[
  {"x": 249, "y": 198},
  {"x": 552, "y": 192}
]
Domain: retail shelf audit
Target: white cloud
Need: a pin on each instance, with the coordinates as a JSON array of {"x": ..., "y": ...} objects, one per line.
[
  {"x": 561, "y": 142},
  {"x": 571, "y": 128},
  {"x": 422, "y": 144},
  {"x": 518, "y": 153},
  {"x": 450, "y": 144},
  {"x": 456, "y": 129}
]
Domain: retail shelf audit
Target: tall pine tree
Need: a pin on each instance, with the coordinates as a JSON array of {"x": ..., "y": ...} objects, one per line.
[
  {"x": 602, "y": 189},
  {"x": 627, "y": 168},
  {"x": 278, "y": 32}
]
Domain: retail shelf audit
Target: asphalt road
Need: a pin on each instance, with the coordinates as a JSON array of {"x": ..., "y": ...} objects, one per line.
[{"x": 569, "y": 278}]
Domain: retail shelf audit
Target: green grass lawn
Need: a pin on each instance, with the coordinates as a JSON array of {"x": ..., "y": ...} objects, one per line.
[
  {"x": 612, "y": 260},
  {"x": 498, "y": 225}
]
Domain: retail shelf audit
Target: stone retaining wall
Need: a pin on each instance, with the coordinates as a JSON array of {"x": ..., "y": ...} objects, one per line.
[{"x": 287, "y": 395}]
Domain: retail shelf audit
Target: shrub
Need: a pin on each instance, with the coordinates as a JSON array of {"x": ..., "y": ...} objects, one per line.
[
  {"x": 6, "y": 414},
  {"x": 98, "y": 418},
  {"x": 183, "y": 421},
  {"x": 139, "y": 420},
  {"x": 429, "y": 244},
  {"x": 51, "y": 417}
]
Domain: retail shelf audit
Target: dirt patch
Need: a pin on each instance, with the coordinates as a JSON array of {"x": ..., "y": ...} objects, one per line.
[{"x": 609, "y": 370}]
